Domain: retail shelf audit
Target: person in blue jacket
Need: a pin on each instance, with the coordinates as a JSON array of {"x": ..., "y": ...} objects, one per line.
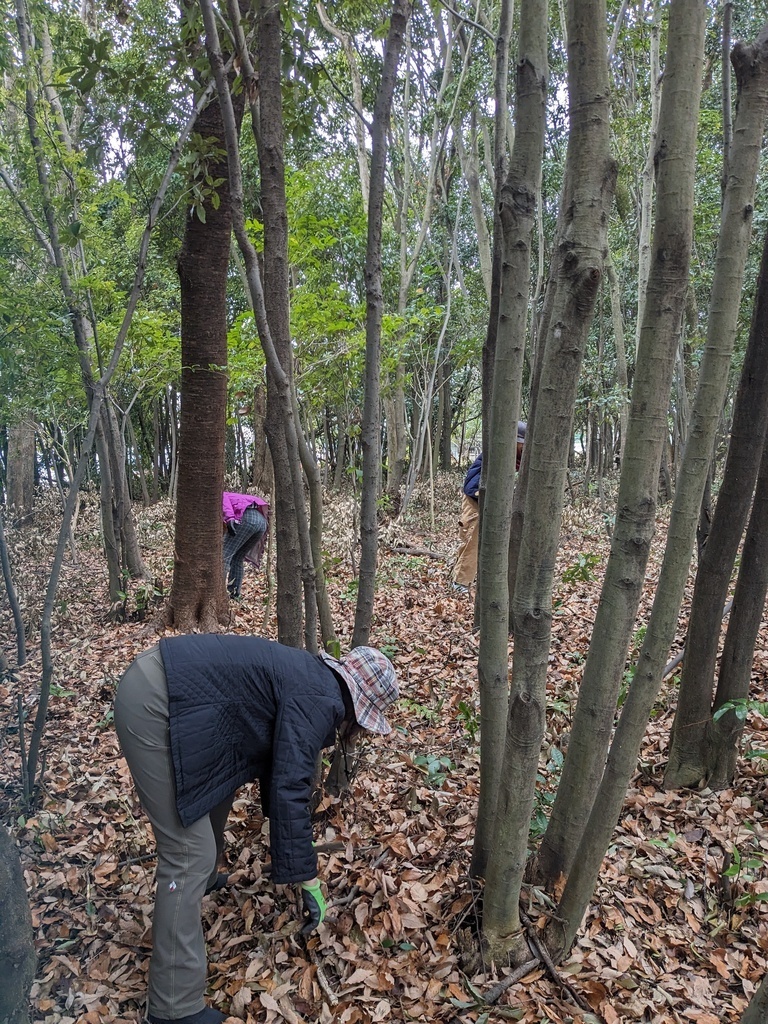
[
  {"x": 465, "y": 568},
  {"x": 198, "y": 716}
]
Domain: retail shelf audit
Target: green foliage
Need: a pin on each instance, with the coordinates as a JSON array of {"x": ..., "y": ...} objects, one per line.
[
  {"x": 469, "y": 716},
  {"x": 580, "y": 571},
  {"x": 741, "y": 709},
  {"x": 746, "y": 870},
  {"x": 436, "y": 768},
  {"x": 547, "y": 781}
]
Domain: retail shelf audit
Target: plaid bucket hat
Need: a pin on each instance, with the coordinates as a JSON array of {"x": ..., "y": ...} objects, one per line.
[{"x": 372, "y": 683}]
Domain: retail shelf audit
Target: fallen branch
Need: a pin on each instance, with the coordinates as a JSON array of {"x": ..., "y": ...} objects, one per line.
[
  {"x": 406, "y": 549},
  {"x": 322, "y": 979},
  {"x": 541, "y": 951},
  {"x": 494, "y": 994}
]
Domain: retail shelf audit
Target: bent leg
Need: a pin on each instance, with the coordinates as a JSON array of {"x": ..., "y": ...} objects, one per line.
[
  {"x": 250, "y": 528},
  {"x": 465, "y": 569},
  {"x": 186, "y": 857}
]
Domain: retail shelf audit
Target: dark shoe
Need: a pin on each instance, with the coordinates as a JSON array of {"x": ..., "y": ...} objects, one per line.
[
  {"x": 208, "y": 1015},
  {"x": 222, "y": 881},
  {"x": 459, "y": 588}
]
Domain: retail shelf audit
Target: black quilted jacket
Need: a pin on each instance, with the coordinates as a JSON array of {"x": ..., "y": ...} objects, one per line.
[{"x": 243, "y": 708}]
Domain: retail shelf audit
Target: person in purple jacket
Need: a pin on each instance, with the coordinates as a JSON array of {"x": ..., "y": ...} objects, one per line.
[{"x": 246, "y": 519}]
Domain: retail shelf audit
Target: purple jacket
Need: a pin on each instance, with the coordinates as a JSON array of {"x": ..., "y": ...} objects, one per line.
[{"x": 233, "y": 505}]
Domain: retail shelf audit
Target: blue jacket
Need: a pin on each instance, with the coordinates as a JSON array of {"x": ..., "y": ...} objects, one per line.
[
  {"x": 244, "y": 708},
  {"x": 472, "y": 479}
]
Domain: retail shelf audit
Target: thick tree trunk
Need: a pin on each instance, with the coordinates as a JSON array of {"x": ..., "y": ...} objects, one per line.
[
  {"x": 517, "y": 198},
  {"x": 646, "y": 434},
  {"x": 751, "y": 64},
  {"x": 370, "y": 431},
  {"x": 688, "y": 756},
  {"x": 198, "y": 597},
  {"x": 17, "y": 948}
]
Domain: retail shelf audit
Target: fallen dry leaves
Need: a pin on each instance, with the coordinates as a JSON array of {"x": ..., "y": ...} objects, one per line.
[{"x": 667, "y": 938}]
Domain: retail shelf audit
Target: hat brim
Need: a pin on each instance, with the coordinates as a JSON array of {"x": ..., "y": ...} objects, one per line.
[{"x": 366, "y": 715}]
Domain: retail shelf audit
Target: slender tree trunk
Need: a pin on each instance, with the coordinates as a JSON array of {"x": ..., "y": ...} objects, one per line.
[
  {"x": 746, "y": 616},
  {"x": 649, "y": 174},
  {"x": 290, "y": 568},
  {"x": 13, "y": 600},
  {"x": 646, "y": 433},
  {"x": 751, "y": 65},
  {"x": 270, "y": 82},
  {"x": 622, "y": 380},
  {"x": 500, "y": 151},
  {"x": 688, "y": 757},
  {"x": 470, "y": 168},
  {"x": 20, "y": 483},
  {"x": 370, "y": 432},
  {"x": 517, "y": 216}
]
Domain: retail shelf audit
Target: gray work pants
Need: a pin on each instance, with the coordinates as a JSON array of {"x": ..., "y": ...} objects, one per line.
[{"x": 186, "y": 857}]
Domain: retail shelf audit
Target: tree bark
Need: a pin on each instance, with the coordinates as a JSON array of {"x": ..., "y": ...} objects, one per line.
[
  {"x": 646, "y": 434},
  {"x": 589, "y": 181},
  {"x": 370, "y": 430},
  {"x": 20, "y": 481},
  {"x": 198, "y": 598},
  {"x": 752, "y": 72},
  {"x": 517, "y": 199},
  {"x": 757, "y": 1011},
  {"x": 290, "y": 618},
  {"x": 688, "y": 753},
  {"x": 17, "y": 947},
  {"x": 722, "y": 736}
]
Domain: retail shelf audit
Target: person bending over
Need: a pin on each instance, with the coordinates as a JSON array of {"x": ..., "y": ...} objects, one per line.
[
  {"x": 246, "y": 519},
  {"x": 198, "y": 716}
]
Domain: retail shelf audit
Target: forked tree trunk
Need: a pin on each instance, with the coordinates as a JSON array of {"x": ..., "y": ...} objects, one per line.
[
  {"x": 517, "y": 216},
  {"x": 270, "y": 149},
  {"x": 646, "y": 434},
  {"x": 688, "y": 753},
  {"x": 752, "y": 72},
  {"x": 590, "y": 176}
]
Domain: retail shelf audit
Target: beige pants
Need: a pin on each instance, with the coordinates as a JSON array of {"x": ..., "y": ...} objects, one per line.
[
  {"x": 465, "y": 570},
  {"x": 186, "y": 857}
]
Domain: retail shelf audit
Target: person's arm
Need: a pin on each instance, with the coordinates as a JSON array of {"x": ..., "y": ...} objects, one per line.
[
  {"x": 227, "y": 508},
  {"x": 300, "y": 729}
]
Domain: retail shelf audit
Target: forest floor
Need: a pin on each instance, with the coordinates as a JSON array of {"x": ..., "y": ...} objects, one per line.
[{"x": 666, "y": 939}]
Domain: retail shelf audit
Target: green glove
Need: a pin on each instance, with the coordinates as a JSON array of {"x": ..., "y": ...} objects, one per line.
[{"x": 314, "y": 906}]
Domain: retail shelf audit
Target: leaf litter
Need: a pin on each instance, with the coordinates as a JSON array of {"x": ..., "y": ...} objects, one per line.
[{"x": 669, "y": 938}]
